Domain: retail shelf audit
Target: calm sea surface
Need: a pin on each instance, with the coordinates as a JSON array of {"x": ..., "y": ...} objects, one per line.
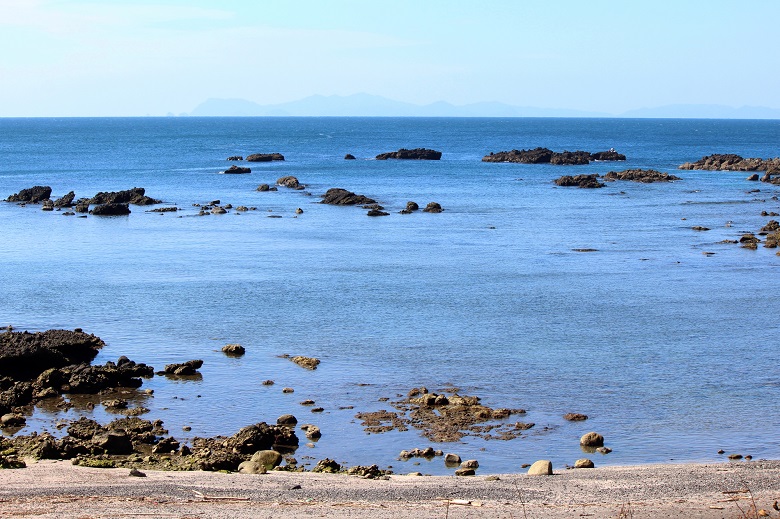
[{"x": 672, "y": 353}]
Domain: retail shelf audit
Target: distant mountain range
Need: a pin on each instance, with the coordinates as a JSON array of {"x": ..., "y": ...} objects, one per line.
[{"x": 367, "y": 105}]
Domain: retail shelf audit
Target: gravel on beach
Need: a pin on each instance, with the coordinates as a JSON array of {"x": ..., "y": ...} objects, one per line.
[{"x": 49, "y": 489}]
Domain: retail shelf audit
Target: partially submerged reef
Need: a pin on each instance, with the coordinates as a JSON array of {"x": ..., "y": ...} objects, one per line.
[
  {"x": 733, "y": 162},
  {"x": 644, "y": 176},
  {"x": 547, "y": 156},
  {"x": 50, "y": 365}
]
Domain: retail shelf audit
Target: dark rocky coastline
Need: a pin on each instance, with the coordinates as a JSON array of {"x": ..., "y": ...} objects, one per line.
[{"x": 732, "y": 162}]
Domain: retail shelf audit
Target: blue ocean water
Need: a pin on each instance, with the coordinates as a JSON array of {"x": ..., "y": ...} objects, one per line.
[{"x": 672, "y": 353}]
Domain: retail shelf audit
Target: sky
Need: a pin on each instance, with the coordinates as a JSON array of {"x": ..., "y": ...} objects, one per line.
[{"x": 152, "y": 57}]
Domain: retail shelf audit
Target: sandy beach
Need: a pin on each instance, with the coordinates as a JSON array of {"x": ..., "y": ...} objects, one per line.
[{"x": 49, "y": 489}]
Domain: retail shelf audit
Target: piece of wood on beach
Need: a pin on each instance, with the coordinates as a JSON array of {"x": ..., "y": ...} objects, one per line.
[{"x": 204, "y": 497}]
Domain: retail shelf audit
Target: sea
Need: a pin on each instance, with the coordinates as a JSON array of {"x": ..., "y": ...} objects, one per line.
[{"x": 554, "y": 300}]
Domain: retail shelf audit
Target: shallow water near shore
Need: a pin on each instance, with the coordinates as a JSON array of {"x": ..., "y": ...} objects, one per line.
[{"x": 670, "y": 352}]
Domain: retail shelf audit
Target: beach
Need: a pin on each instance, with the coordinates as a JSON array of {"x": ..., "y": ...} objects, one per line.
[{"x": 49, "y": 489}]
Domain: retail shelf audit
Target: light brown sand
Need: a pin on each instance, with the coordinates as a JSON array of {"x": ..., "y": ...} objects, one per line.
[{"x": 58, "y": 489}]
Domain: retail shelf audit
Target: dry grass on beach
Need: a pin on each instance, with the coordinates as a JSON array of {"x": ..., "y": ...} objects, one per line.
[{"x": 49, "y": 489}]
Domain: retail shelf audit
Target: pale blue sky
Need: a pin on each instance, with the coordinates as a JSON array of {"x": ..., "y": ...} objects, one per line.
[{"x": 100, "y": 58}]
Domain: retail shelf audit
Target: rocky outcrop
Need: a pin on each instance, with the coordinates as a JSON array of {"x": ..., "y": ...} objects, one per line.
[
  {"x": 233, "y": 350},
  {"x": 25, "y": 355},
  {"x": 289, "y": 181},
  {"x": 646, "y": 176},
  {"x": 236, "y": 170},
  {"x": 31, "y": 195},
  {"x": 732, "y": 162},
  {"x": 235, "y": 158},
  {"x": 306, "y": 362},
  {"x": 339, "y": 196},
  {"x": 610, "y": 155},
  {"x": 534, "y": 156},
  {"x": 264, "y": 157},
  {"x": 111, "y": 210},
  {"x": 570, "y": 158},
  {"x": 415, "y": 154},
  {"x": 183, "y": 369},
  {"x": 583, "y": 181},
  {"x": 51, "y": 363},
  {"x": 349, "y": 156},
  {"x": 65, "y": 201},
  {"x": 547, "y": 156},
  {"x": 433, "y": 207},
  {"x": 135, "y": 196}
]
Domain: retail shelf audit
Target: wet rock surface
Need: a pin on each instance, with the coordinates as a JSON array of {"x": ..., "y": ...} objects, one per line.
[
  {"x": 445, "y": 418},
  {"x": 25, "y": 355}
]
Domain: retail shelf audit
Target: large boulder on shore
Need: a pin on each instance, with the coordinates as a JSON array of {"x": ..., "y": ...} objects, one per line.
[
  {"x": 339, "y": 196},
  {"x": 415, "y": 154},
  {"x": 25, "y": 355},
  {"x": 135, "y": 196},
  {"x": 32, "y": 195}
]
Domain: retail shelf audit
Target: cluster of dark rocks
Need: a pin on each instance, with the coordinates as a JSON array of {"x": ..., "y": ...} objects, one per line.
[
  {"x": 35, "y": 366},
  {"x": 547, "y": 156},
  {"x": 111, "y": 203},
  {"x": 645, "y": 176},
  {"x": 733, "y": 162},
  {"x": 445, "y": 418}
]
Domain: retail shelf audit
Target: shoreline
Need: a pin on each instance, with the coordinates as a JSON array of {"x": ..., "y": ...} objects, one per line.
[{"x": 59, "y": 489}]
